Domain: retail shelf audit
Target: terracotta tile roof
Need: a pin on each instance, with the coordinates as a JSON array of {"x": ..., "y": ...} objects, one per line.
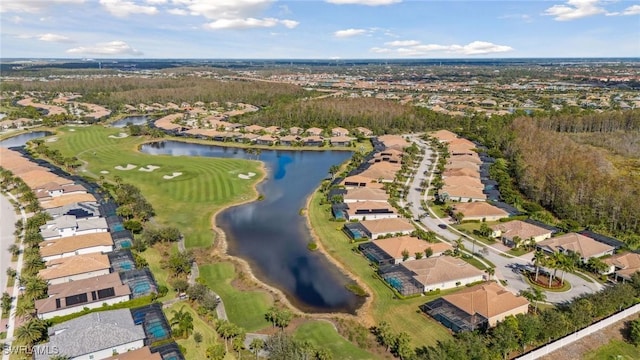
[
  {"x": 463, "y": 191},
  {"x": 477, "y": 209},
  {"x": 166, "y": 122},
  {"x": 61, "y": 291},
  {"x": 314, "y": 131},
  {"x": 462, "y": 142},
  {"x": 444, "y": 135},
  {"x": 66, "y": 200},
  {"x": 521, "y": 229},
  {"x": 290, "y": 138},
  {"x": 367, "y": 181},
  {"x": 38, "y": 177},
  {"x": 461, "y": 172},
  {"x": 393, "y": 141},
  {"x": 471, "y": 181},
  {"x": 336, "y": 139},
  {"x": 364, "y": 131},
  {"x": 143, "y": 353},
  {"x": 488, "y": 300},
  {"x": 296, "y": 130},
  {"x": 387, "y": 225},
  {"x": 440, "y": 269},
  {"x": 272, "y": 129},
  {"x": 396, "y": 245},
  {"x": 73, "y": 243},
  {"x": 339, "y": 130},
  {"x": 364, "y": 194},
  {"x": 626, "y": 264},
  {"x": 585, "y": 246},
  {"x": 354, "y": 207},
  {"x": 461, "y": 164},
  {"x": 474, "y": 158},
  {"x": 74, "y": 265}
]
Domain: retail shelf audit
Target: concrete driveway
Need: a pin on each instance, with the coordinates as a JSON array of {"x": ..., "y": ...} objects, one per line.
[{"x": 506, "y": 264}]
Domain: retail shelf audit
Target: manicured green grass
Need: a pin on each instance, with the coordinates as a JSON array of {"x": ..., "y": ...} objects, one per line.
[
  {"x": 402, "y": 315},
  {"x": 187, "y": 201},
  {"x": 519, "y": 251},
  {"x": 614, "y": 350},
  {"x": 244, "y": 308},
  {"x": 323, "y": 335},
  {"x": 209, "y": 335},
  {"x": 153, "y": 257}
]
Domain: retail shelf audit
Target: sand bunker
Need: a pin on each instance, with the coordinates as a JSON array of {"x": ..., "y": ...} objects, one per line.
[
  {"x": 53, "y": 139},
  {"x": 119, "y": 136},
  {"x": 104, "y": 172},
  {"x": 246, "y": 176},
  {"x": 149, "y": 168},
  {"x": 72, "y": 129},
  {"x": 128, "y": 167},
  {"x": 169, "y": 177}
]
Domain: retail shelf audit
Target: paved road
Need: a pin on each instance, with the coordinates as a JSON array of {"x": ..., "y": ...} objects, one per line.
[
  {"x": 8, "y": 218},
  {"x": 506, "y": 266}
]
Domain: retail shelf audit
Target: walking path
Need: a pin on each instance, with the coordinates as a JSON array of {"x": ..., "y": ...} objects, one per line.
[{"x": 14, "y": 303}]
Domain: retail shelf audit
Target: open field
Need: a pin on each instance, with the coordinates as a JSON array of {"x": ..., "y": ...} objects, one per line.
[
  {"x": 244, "y": 308},
  {"x": 323, "y": 335},
  {"x": 402, "y": 315},
  {"x": 187, "y": 201}
]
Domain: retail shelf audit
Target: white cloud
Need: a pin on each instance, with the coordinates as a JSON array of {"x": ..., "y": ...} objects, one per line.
[
  {"x": 575, "y": 9},
  {"x": 156, "y": 2},
  {"x": 364, "y": 2},
  {"x": 249, "y": 23},
  {"x": 32, "y": 6},
  {"x": 176, "y": 11},
  {"x": 123, "y": 8},
  {"x": 403, "y": 43},
  {"x": 54, "y": 38},
  {"x": 112, "y": 48},
  {"x": 349, "y": 33},
  {"x": 632, "y": 10},
  {"x": 413, "y": 48}
]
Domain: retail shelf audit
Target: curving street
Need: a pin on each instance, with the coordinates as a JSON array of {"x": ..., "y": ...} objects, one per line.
[{"x": 506, "y": 264}]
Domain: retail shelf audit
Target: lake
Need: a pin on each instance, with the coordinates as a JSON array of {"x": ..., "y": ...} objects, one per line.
[
  {"x": 271, "y": 234},
  {"x": 135, "y": 120},
  {"x": 21, "y": 140}
]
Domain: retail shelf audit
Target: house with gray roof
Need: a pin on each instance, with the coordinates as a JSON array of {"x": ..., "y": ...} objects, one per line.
[
  {"x": 93, "y": 336},
  {"x": 69, "y": 225},
  {"x": 81, "y": 210}
]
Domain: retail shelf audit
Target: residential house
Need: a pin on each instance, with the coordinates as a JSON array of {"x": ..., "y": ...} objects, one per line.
[
  {"x": 584, "y": 246},
  {"x": 314, "y": 131},
  {"x": 69, "y": 225},
  {"x": 453, "y": 163},
  {"x": 623, "y": 266},
  {"x": 375, "y": 229},
  {"x": 97, "y": 335},
  {"x": 53, "y": 189},
  {"x": 81, "y": 210},
  {"x": 402, "y": 248},
  {"x": 289, "y": 140},
  {"x": 476, "y": 308},
  {"x": 359, "y": 181},
  {"x": 365, "y": 194},
  {"x": 369, "y": 210},
  {"x": 473, "y": 158},
  {"x": 75, "y": 268},
  {"x": 69, "y": 297},
  {"x": 460, "y": 172},
  {"x": 314, "y": 140},
  {"x": 143, "y": 353},
  {"x": 296, "y": 130},
  {"x": 427, "y": 274},
  {"x": 76, "y": 245},
  {"x": 393, "y": 142},
  {"x": 273, "y": 130},
  {"x": 266, "y": 140},
  {"x": 339, "y": 132},
  {"x": 479, "y": 211},
  {"x": 340, "y": 141},
  {"x": 66, "y": 200},
  {"x": 382, "y": 171},
  {"x": 444, "y": 136},
  {"x": 249, "y": 137},
  {"x": 254, "y": 129},
  {"x": 363, "y": 131},
  {"x": 462, "y": 193},
  {"x": 507, "y": 231}
]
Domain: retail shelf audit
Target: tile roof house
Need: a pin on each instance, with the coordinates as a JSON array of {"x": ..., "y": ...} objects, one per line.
[
  {"x": 314, "y": 131},
  {"x": 393, "y": 142},
  {"x": 289, "y": 140},
  {"x": 379, "y": 228},
  {"x": 94, "y": 336},
  {"x": 394, "y": 247},
  {"x": 75, "y": 245},
  {"x": 341, "y": 140},
  {"x": 476, "y": 308},
  {"x": 296, "y": 130},
  {"x": 462, "y": 193},
  {"x": 74, "y": 268},
  {"x": 442, "y": 272},
  {"x": 66, "y": 200},
  {"x": 314, "y": 140},
  {"x": 360, "y": 181},
  {"x": 363, "y": 131},
  {"x": 53, "y": 189},
  {"x": 69, "y": 225},
  {"x": 480, "y": 211},
  {"x": 81, "y": 210},
  {"x": 382, "y": 171},
  {"x": 272, "y": 130},
  {"x": 444, "y": 135},
  {"x": 365, "y": 194},
  {"x": 339, "y": 132},
  {"x": 370, "y": 210},
  {"x": 69, "y": 297},
  {"x": 623, "y": 265},
  {"x": 253, "y": 129},
  {"x": 580, "y": 244},
  {"x": 507, "y": 231},
  {"x": 266, "y": 140}
]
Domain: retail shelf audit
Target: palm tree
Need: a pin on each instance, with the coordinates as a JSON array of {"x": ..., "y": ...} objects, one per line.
[
  {"x": 552, "y": 263},
  {"x": 31, "y": 332},
  {"x": 35, "y": 287},
  {"x": 333, "y": 170},
  {"x": 25, "y": 309},
  {"x": 490, "y": 271},
  {"x": 567, "y": 264},
  {"x": 182, "y": 321},
  {"x": 534, "y": 295},
  {"x": 256, "y": 345},
  {"x": 538, "y": 260}
]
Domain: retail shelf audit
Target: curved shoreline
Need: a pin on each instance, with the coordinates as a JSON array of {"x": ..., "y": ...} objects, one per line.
[{"x": 220, "y": 247}]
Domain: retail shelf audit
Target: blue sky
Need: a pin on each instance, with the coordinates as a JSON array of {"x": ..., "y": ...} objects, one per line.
[{"x": 318, "y": 29}]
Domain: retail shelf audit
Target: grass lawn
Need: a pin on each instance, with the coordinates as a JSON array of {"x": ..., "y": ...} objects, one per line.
[
  {"x": 322, "y": 334},
  {"x": 153, "y": 257},
  {"x": 616, "y": 350},
  {"x": 209, "y": 335},
  {"x": 244, "y": 308},
  {"x": 519, "y": 251},
  {"x": 187, "y": 201},
  {"x": 402, "y": 315}
]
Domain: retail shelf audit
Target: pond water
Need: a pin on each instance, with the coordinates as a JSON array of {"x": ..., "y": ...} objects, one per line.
[
  {"x": 21, "y": 140},
  {"x": 271, "y": 234},
  {"x": 135, "y": 120}
]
